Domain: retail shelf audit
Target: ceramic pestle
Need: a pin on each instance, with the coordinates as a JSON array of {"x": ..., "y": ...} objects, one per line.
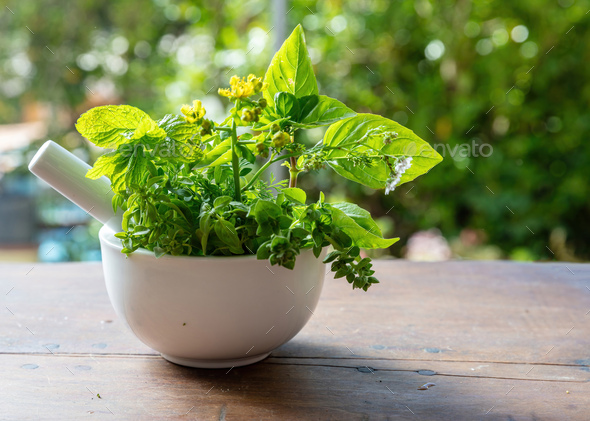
[{"x": 66, "y": 173}]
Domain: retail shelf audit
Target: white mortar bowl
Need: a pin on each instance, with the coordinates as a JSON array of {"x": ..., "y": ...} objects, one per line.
[{"x": 210, "y": 312}]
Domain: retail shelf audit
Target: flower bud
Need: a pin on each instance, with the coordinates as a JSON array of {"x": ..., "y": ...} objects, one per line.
[
  {"x": 249, "y": 115},
  {"x": 280, "y": 139}
]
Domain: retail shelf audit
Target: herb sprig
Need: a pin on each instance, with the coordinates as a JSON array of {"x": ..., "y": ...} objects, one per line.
[{"x": 188, "y": 185}]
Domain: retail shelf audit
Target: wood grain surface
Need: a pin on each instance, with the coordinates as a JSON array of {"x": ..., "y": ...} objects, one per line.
[{"x": 499, "y": 340}]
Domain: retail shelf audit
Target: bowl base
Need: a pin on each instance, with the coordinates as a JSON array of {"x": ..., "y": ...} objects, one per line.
[{"x": 197, "y": 363}]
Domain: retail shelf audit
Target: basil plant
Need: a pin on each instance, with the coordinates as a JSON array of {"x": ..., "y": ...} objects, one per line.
[{"x": 192, "y": 186}]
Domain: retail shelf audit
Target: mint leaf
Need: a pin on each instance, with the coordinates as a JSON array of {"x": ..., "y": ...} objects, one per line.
[
  {"x": 106, "y": 126},
  {"x": 112, "y": 165},
  {"x": 105, "y": 165},
  {"x": 360, "y": 236},
  {"x": 177, "y": 128},
  {"x": 321, "y": 110},
  {"x": 364, "y": 135},
  {"x": 148, "y": 129},
  {"x": 290, "y": 69},
  {"x": 137, "y": 168}
]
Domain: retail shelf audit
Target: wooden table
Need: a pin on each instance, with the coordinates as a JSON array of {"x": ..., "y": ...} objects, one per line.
[{"x": 499, "y": 340}]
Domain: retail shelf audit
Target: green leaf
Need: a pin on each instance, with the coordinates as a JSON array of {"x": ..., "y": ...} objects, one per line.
[
  {"x": 267, "y": 121},
  {"x": 105, "y": 126},
  {"x": 267, "y": 214},
  {"x": 205, "y": 223},
  {"x": 245, "y": 171},
  {"x": 286, "y": 105},
  {"x": 321, "y": 110},
  {"x": 364, "y": 134},
  {"x": 148, "y": 129},
  {"x": 218, "y": 175},
  {"x": 360, "y": 216},
  {"x": 360, "y": 236},
  {"x": 177, "y": 128},
  {"x": 227, "y": 233},
  {"x": 159, "y": 252},
  {"x": 332, "y": 256},
  {"x": 221, "y": 202},
  {"x": 265, "y": 210},
  {"x": 291, "y": 70},
  {"x": 136, "y": 168},
  {"x": 263, "y": 251},
  {"x": 295, "y": 194},
  {"x": 246, "y": 153},
  {"x": 183, "y": 151},
  {"x": 205, "y": 227},
  {"x": 182, "y": 140},
  {"x": 221, "y": 154},
  {"x": 105, "y": 165},
  {"x": 317, "y": 251}
]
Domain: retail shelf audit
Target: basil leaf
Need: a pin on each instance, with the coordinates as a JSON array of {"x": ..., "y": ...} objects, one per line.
[
  {"x": 290, "y": 69},
  {"x": 265, "y": 210},
  {"x": 286, "y": 105},
  {"x": 267, "y": 216},
  {"x": 246, "y": 153},
  {"x": 360, "y": 236},
  {"x": 295, "y": 194},
  {"x": 221, "y": 154},
  {"x": 360, "y": 216},
  {"x": 221, "y": 202},
  {"x": 245, "y": 171},
  {"x": 364, "y": 134},
  {"x": 321, "y": 110},
  {"x": 227, "y": 233}
]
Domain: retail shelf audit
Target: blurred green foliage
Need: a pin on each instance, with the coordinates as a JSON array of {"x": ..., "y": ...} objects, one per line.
[{"x": 511, "y": 75}]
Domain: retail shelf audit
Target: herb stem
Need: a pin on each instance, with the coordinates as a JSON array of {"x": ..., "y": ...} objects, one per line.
[
  {"x": 235, "y": 162},
  {"x": 260, "y": 171},
  {"x": 331, "y": 241},
  {"x": 293, "y": 172}
]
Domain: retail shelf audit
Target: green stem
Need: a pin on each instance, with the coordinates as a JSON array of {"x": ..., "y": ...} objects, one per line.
[
  {"x": 235, "y": 162},
  {"x": 293, "y": 172},
  {"x": 260, "y": 171},
  {"x": 331, "y": 241}
]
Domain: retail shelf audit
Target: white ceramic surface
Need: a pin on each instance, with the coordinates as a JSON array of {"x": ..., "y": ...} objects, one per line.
[
  {"x": 210, "y": 312},
  {"x": 66, "y": 173}
]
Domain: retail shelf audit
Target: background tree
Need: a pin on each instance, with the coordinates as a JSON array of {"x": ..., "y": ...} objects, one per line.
[{"x": 508, "y": 74}]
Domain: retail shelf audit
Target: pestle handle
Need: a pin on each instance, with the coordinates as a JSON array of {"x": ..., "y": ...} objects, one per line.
[{"x": 66, "y": 173}]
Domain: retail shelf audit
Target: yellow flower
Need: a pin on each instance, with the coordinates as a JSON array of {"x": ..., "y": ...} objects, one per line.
[
  {"x": 195, "y": 113},
  {"x": 244, "y": 87}
]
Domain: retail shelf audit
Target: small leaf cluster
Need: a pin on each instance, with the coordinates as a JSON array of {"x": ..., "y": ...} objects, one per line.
[{"x": 359, "y": 274}]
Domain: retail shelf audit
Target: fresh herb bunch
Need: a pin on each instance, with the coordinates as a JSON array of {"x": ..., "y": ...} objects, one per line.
[{"x": 185, "y": 185}]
